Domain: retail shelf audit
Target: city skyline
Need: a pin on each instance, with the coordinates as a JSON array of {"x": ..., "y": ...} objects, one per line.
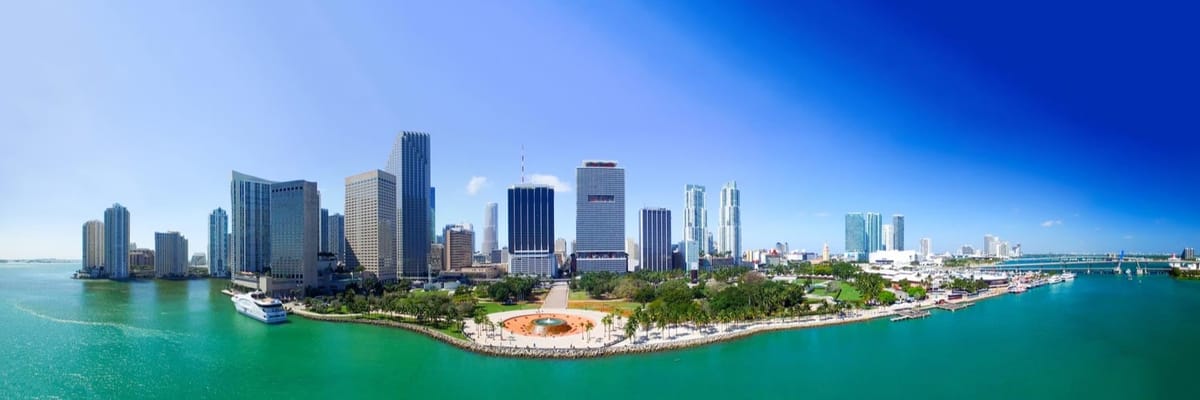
[{"x": 963, "y": 119}]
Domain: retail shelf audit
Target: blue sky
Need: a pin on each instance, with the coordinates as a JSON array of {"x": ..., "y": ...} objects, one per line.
[{"x": 1064, "y": 127}]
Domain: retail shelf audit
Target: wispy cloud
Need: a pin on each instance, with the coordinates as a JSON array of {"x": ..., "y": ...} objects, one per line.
[
  {"x": 553, "y": 181},
  {"x": 1051, "y": 223},
  {"x": 476, "y": 183}
]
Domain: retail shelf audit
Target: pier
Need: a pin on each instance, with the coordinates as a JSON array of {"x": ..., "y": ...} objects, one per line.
[
  {"x": 954, "y": 306},
  {"x": 910, "y": 314}
]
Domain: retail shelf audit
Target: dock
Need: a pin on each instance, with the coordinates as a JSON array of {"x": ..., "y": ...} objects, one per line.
[
  {"x": 910, "y": 314},
  {"x": 954, "y": 306}
]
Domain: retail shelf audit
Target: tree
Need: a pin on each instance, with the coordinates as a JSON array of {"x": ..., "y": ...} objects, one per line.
[
  {"x": 588, "y": 328},
  {"x": 607, "y": 321},
  {"x": 887, "y": 297},
  {"x": 631, "y": 327}
]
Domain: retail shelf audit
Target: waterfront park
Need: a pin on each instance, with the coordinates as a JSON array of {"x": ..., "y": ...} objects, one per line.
[{"x": 601, "y": 313}]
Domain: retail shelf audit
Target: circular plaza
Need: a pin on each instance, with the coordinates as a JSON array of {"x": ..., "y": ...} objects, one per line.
[{"x": 548, "y": 329}]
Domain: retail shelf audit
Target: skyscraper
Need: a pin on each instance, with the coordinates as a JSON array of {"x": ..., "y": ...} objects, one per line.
[
  {"x": 295, "y": 234},
  {"x": 874, "y": 229},
  {"x": 531, "y": 230},
  {"x": 337, "y": 237},
  {"x": 251, "y": 225},
  {"x": 459, "y": 247},
  {"x": 324, "y": 235},
  {"x": 170, "y": 255},
  {"x": 93, "y": 244},
  {"x": 561, "y": 253},
  {"x": 409, "y": 163},
  {"x": 370, "y": 224},
  {"x": 489, "y": 231},
  {"x": 897, "y": 232},
  {"x": 729, "y": 233},
  {"x": 116, "y": 241},
  {"x": 218, "y": 243},
  {"x": 856, "y": 234},
  {"x": 432, "y": 214},
  {"x": 889, "y": 239},
  {"x": 600, "y": 217},
  {"x": 655, "y": 239},
  {"x": 989, "y": 245},
  {"x": 926, "y": 247},
  {"x": 695, "y": 224}
]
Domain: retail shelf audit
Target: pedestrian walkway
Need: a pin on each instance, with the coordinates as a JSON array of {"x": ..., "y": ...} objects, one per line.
[{"x": 557, "y": 298}]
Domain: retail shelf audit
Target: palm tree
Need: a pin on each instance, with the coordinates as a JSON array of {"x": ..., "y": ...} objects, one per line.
[
  {"x": 588, "y": 328},
  {"x": 607, "y": 321},
  {"x": 630, "y": 328}
]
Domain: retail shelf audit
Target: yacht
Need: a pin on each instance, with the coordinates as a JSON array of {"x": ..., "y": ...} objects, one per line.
[
  {"x": 1068, "y": 276},
  {"x": 258, "y": 306},
  {"x": 1018, "y": 288}
]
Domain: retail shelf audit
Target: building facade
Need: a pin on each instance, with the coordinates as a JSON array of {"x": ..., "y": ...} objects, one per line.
[
  {"x": 729, "y": 232},
  {"x": 337, "y": 237},
  {"x": 600, "y": 217},
  {"x": 874, "y": 232},
  {"x": 490, "y": 244},
  {"x": 295, "y": 235},
  {"x": 898, "y": 231},
  {"x": 170, "y": 255},
  {"x": 459, "y": 246},
  {"x": 218, "y": 243},
  {"x": 695, "y": 224},
  {"x": 116, "y": 242},
  {"x": 323, "y": 237},
  {"x": 409, "y": 163},
  {"x": 856, "y": 236},
  {"x": 250, "y": 240},
  {"x": 926, "y": 248},
  {"x": 889, "y": 239},
  {"x": 655, "y": 239},
  {"x": 370, "y": 224},
  {"x": 93, "y": 245},
  {"x": 531, "y": 231}
]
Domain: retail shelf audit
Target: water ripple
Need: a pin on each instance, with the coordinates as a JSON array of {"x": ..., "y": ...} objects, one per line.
[{"x": 128, "y": 330}]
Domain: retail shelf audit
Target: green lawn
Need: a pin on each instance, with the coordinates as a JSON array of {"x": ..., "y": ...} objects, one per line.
[
  {"x": 490, "y": 307},
  {"x": 849, "y": 293},
  {"x": 578, "y": 295},
  {"x": 626, "y": 307}
]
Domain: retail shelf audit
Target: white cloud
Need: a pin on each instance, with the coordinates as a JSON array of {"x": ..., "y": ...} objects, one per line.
[
  {"x": 476, "y": 183},
  {"x": 553, "y": 181},
  {"x": 1052, "y": 222}
]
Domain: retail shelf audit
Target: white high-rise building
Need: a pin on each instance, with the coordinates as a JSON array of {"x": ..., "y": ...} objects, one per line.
[
  {"x": 370, "y": 224},
  {"x": 729, "y": 232},
  {"x": 989, "y": 245},
  {"x": 218, "y": 243},
  {"x": 93, "y": 244},
  {"x": 695, "y": 224},
  {"x": 489, "y": 231},
  {"x": 926, "y": 248},
  {"x": 889, "y": 239}
]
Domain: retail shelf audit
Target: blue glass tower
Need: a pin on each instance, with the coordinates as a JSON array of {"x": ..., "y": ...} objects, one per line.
[
  {"x": 409, "y": 162},
  {"x": 531, "y": 230}
]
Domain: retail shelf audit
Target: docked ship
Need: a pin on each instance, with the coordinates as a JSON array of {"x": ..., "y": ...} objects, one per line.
[{"x": 258, "y": 306}]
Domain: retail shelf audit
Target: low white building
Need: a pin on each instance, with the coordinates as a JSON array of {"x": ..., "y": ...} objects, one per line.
[{"x": 893, "y": 257}]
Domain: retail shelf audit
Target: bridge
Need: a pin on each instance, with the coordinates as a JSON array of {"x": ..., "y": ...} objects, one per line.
[{"x": 1085, "y": 264}]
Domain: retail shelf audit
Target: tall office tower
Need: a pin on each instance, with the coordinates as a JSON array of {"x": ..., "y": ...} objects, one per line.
[
  {"x": 433, "y": 215},
  {"x": 926, "y": 247},
  {"x": 898, "y": 231},
  {"x": 710, "y": 245},
  {"x": 251, "y": 227},
  {"x": 600, "y": 217},
  {"x": 655, "y": 238},
  {"x": 93, "y": 244},
  {"x": 489, "y": 231},
  {"x": 695, "y": 224},
  {"x": 337, "y": 237},
  {"x": 116, "y": 241},
  {"x": 561, "y": 253},
  {"x": 170, "y": 255},
  {"x": 437, "y": 255},
  {"x": 295, "y": 231},
  {"x": 409, "y": 163},
  {"x": 825, "y": 253},
  {"x": 218, "y": 243},
  {"x": 889, "y": 239},
  {"x": 874, "y": 232},
  {"x": 989, "y": 245},
  {"x": 460, "y": 246},
  {"x": 729, "y": 234},
  {"x": 856, "y": 235},
  {"x": 370, "y": 224},
  {"x": 531, "y": 231},
  {"x": 966, "y": 250},
  {"x": 324, "y": 235}
]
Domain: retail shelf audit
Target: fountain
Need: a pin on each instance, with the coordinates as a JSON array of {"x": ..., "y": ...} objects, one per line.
[{"x": 550, "y": 326}]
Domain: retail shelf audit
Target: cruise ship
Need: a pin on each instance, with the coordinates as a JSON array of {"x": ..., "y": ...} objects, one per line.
[{"x": 258, "y": 306}]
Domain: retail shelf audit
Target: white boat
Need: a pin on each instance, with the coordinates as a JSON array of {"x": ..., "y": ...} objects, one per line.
[
  {"x": 258, "y": 306},
  {"x": 1017, "y": 289},
  {"x": 1068, "y": 276}
]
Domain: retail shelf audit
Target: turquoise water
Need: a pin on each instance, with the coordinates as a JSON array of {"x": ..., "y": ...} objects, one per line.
[{"x": 1100, "y": 337}]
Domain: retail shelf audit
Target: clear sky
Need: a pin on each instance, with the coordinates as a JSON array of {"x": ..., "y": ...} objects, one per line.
[{"x": 1064, "y": 127}]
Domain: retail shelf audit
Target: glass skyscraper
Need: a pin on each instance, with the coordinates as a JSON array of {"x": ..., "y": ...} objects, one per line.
[
  {"x": 251, "y": 225},
  {"x": 856, "y": 235},
  {"x": 874, "y": 232},
  {"x": 409, "y": 163},
  {"x": 695, "y": 224},
  {"x": 295, "y": 211},
  {"x": 729, "y": 233},
  {"x": 531, "y": 230},
  {"x": 116, "y": 242},
  {"x": 218, "y": 243},
  {"x": 655, "y": 239},
  {"x": 337, "y": 236},
  {"x": 324, "y": 236},
  {"x": 600, "y": 218},
  {"x": 898, "y": 231},
  {"x": 489, "y": 231}
]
